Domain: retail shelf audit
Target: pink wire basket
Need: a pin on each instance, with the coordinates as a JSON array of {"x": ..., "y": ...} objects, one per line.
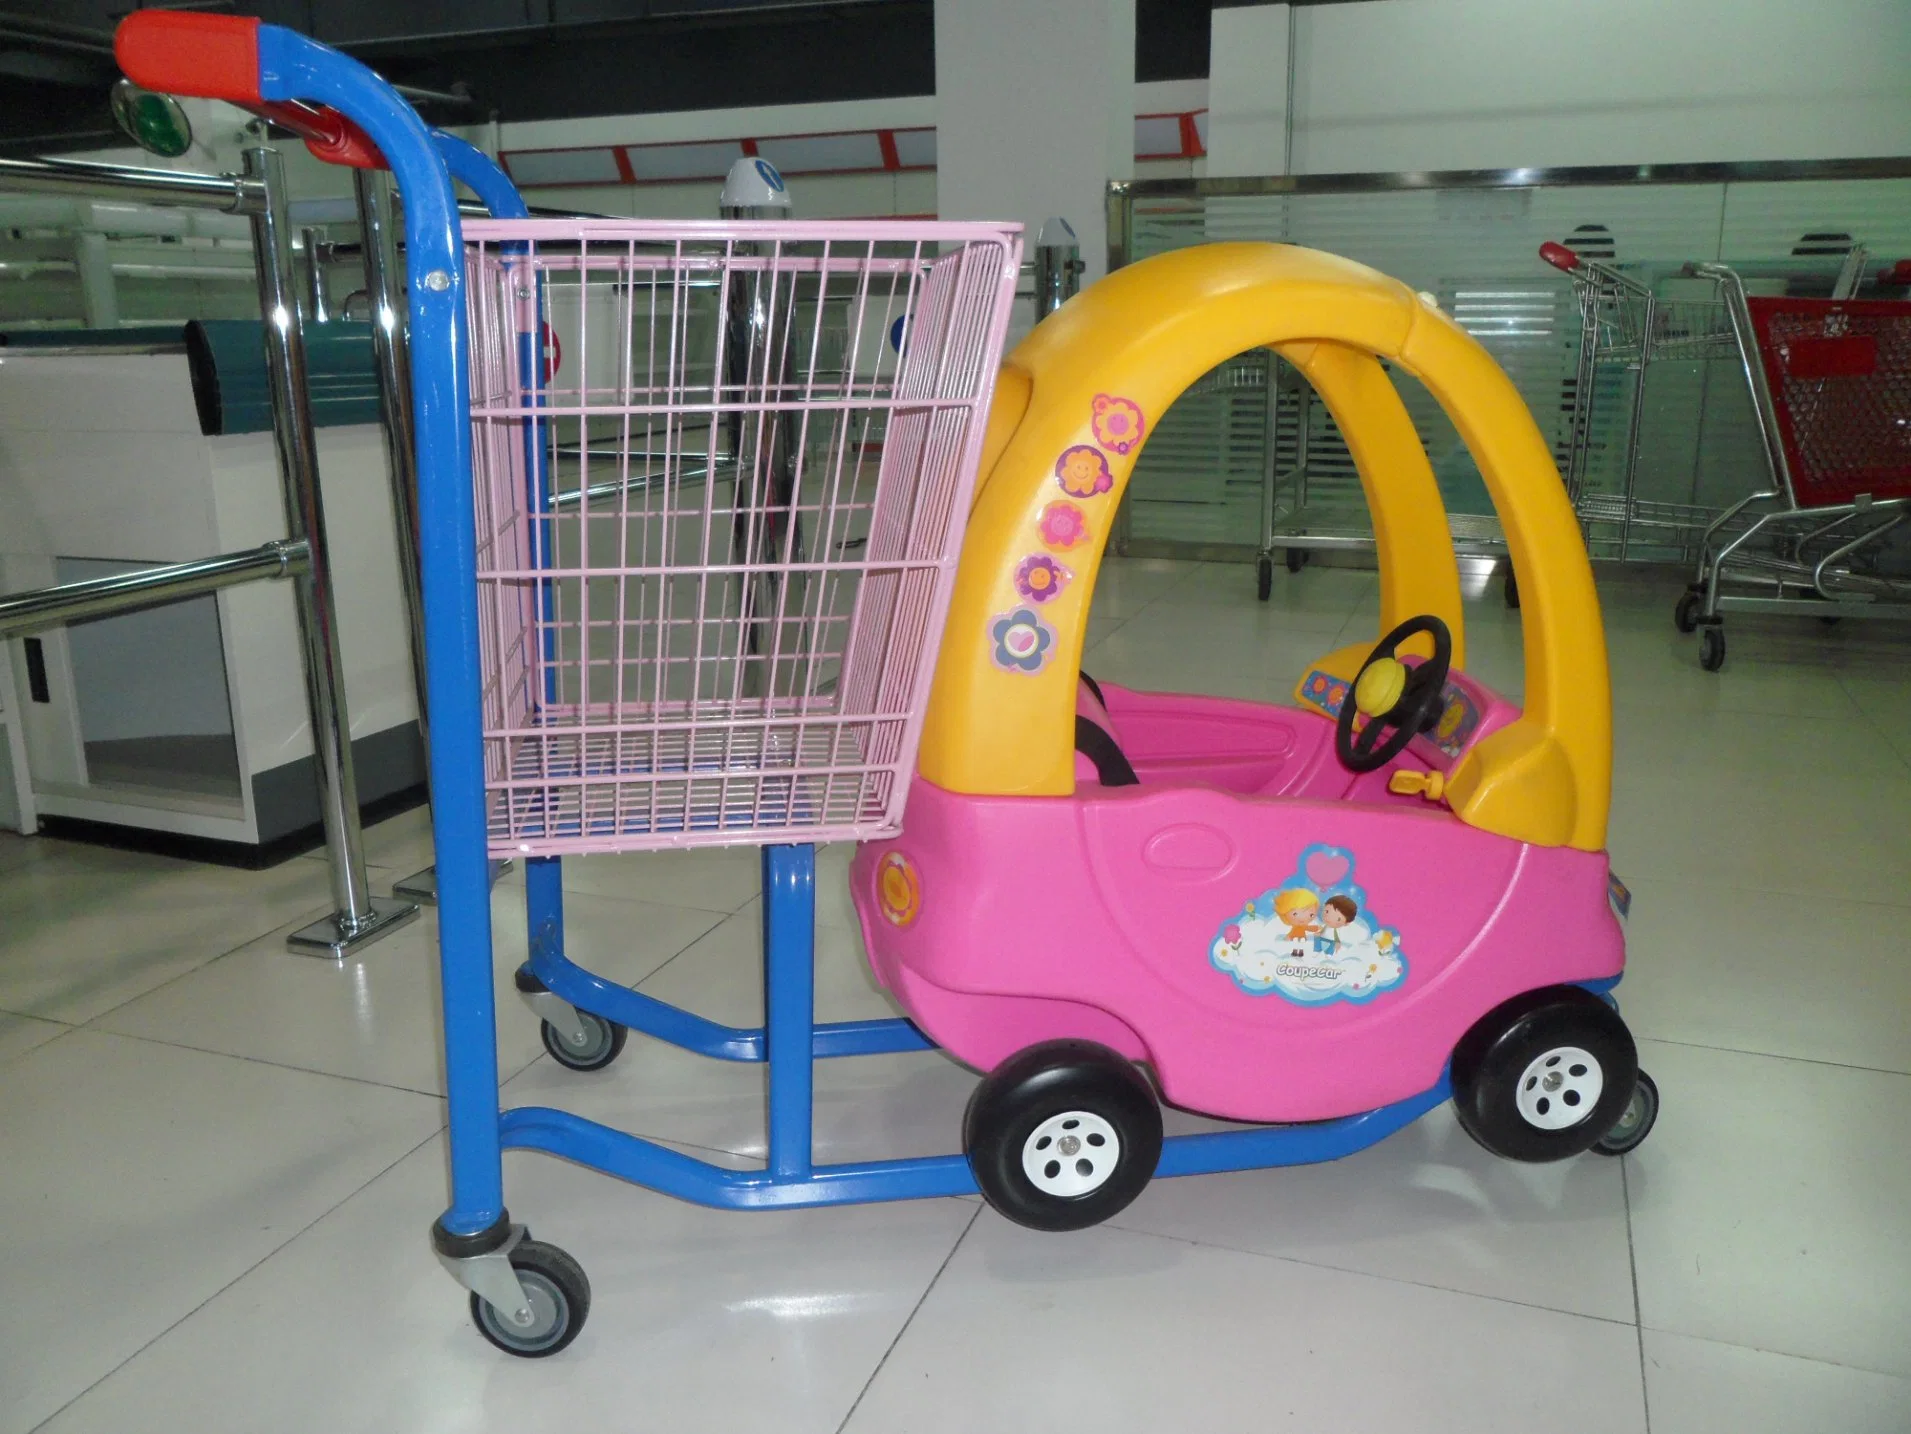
[{"x": 722, "y": 476}]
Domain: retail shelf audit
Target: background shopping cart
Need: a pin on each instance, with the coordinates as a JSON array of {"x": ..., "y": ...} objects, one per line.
[{"x": 1830, "y": 381}]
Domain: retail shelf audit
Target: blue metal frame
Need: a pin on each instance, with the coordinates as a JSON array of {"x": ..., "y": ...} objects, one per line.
[{"x": 790, "y": 1041}]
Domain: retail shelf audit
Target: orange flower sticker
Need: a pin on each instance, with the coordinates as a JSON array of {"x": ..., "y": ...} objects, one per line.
[
  {"x": 1118, "y": 423},
  {"x": 1084, "y": 471},
  {"x": 898, "y": 889}
]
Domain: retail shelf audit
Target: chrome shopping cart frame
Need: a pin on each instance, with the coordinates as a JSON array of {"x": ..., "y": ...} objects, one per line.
[{"x": 1830, "y": 381}]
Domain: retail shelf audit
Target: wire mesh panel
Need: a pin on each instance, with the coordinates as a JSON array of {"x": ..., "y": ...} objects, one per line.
[
  {"x": 1840, "y": 378},
  {"x": 722, "y": 476}
]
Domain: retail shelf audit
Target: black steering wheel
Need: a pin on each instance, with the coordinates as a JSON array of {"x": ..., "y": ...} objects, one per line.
[{"x": 1398, "y": 701}]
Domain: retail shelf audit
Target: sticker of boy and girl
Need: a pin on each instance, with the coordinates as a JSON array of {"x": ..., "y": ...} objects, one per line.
[{"x": 1308, "y": 939}]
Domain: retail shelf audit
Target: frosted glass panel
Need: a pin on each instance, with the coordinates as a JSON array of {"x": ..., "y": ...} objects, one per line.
[{"x": 1476, "y": 251}]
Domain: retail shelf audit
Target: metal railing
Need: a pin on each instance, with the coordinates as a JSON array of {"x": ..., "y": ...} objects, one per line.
[{"x": 357, "y": 916}]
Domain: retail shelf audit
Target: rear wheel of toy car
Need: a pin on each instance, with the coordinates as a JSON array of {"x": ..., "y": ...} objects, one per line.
[
  {"x": 1545, "y": 1075},
  {"x": 1062, "y": 1135}
]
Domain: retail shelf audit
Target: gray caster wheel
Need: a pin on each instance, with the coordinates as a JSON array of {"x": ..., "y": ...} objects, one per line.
[
  {"x": 1264, "y": 578},
  {"x": 600, "y": 1046},
  {"x": 1636, "y": 1123},
  {"x": 1296, "y": 559},
  {"x": 559, "y": 1296},
  {"x": 1685, "y": 616},
  {"x": 1712, "y": 649}
]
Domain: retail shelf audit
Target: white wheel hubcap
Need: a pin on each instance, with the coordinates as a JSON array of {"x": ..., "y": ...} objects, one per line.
[
  {"x": 1560, "y": 1088},
  {"x": 1071, "y": 1154}
]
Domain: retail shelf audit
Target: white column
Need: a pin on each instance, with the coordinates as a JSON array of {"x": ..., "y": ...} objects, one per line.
[
  {"x": 1035, "y": 112},
  {"x": 1247, "y": 91}
]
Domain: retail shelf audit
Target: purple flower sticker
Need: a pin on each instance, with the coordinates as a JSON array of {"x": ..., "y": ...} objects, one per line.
[
  {"x": 1023, "y": 642},
  {"x": 1039, "y": 577},
  {"x": 1083, "y": 471}
]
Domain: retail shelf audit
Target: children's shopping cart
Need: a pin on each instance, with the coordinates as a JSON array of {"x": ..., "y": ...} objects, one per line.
[{"x": 691, "y": 496}]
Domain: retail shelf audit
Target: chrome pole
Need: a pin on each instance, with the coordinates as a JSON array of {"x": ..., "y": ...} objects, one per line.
[
  {"x": 357, "y": 918},
  {"x": 125, "y": 183},
  {"x": 41, "y": 608},
  {"x": 1058, "y": 267},
  {"x": 379, "y": 228}
]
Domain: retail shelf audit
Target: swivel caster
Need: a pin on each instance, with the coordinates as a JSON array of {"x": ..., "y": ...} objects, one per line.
[
  {"x": 1712, "y": 648},
  {"x": 1636, "y": 1123},
  {"x": 594, "y": 1045},
  {"x": 1264, "y": 577},
  {"x": 557, "y": 1299}
]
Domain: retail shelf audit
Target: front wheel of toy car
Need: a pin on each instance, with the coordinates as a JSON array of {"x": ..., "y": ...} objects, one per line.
[
  {"x": 1062, "y": 1135},
  {"x": 1545, "y": 1075}
]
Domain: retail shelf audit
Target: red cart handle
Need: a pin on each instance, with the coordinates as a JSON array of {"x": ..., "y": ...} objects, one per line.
[
  {"x": 1898, "y": 273},
  {"x": 216, "y": 57},
  {"x": 1559, "y": 256}
]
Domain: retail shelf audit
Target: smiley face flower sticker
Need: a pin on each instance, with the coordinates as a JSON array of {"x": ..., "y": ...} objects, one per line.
[
  {"x": 1083, "y": 471},
  {"x": 1039, "y": 577},
  {"x": 1062, "y": 526},
  {"x": 1023, "y": 642},
  {"x": 1117, "y": 422}
]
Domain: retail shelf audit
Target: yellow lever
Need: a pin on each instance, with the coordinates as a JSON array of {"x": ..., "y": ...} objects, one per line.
[{"x": 1431, "y": 785}]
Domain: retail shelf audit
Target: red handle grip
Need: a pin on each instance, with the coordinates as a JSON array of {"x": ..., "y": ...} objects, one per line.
[
  {"x": 1898, "y": 273},
  {"x": 181, "y": 52},
  {"x": 1559, "y": 256},
  {"x": 327, "y": 133},
  {"x": 216, "y": 57}
]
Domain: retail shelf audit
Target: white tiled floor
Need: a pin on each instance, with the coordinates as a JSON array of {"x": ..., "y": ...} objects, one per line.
[{"x": 218, "y": 1161}]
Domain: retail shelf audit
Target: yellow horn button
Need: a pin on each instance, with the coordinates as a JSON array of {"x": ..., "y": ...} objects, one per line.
[{"x": 1380, "y": 686}]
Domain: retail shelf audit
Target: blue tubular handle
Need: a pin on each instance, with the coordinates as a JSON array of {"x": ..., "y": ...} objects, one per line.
[
  {"x": 293, "y": 67},
  {"x": 474, "y": 169}
]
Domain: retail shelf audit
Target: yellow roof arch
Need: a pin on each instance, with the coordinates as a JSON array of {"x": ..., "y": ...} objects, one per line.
[{"x": 1074, "y": 405}]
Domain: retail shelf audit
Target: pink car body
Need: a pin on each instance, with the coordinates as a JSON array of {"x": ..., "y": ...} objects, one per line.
[{"x": 1179, "y": 921}]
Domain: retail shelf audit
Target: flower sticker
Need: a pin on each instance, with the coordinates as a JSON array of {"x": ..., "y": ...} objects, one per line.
[
  {"x": 1023, "y": 642},
  {"x": 1039, "y": 577},
  {"x": 898, "y": 888},
  {"x": 1062, "y": 526},
  {"x": 1118, "y": 423},
  {"x": 1083, "y": 471}
]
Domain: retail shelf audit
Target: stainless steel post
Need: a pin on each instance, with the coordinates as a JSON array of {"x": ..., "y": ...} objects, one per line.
[
  {"x": 318, "y": 290},
  {"x": 378, "y": 225},
  {"x": 357, "y": 917},
  {"x": 1058, "y": 267}
]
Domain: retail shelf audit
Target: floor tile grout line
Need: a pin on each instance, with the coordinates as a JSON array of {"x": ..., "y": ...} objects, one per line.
[
  {"x": 1775, "y": 1055},
  {"x": 1638, "y": 1311},
  {"x": 1114, "y": 1224},
  {"x": 330, "y": 1210},
  {"x": 1884, "y": 736},
  {"x": 908, "y": 1320},
  {"x": 1899, "y": 1375},
  {"x": 261, "y": 1061},
  {"x": 294, "y": 924}
]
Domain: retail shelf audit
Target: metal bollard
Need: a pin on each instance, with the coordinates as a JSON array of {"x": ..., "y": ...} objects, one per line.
[
  {"x": 357, "y": 917},
  {"x": 379, "y": 228},
  {"x": 1058, "y": 267}
]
